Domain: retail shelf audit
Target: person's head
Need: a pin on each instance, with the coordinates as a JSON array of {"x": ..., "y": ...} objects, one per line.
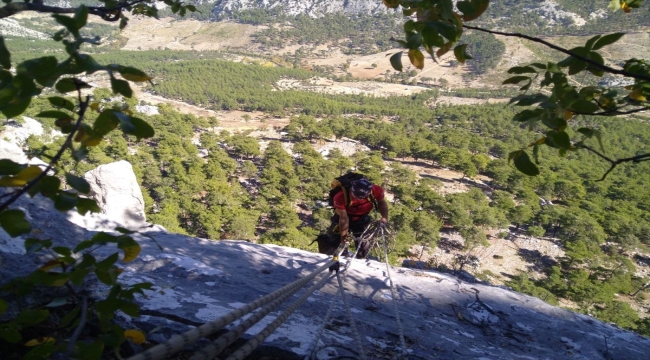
[{"x": 361, "y": 188}]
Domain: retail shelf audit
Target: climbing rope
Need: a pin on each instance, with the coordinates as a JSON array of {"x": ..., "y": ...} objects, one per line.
[
  {"x": 178, "y": 342},
  {"x": 357, "y": 337},
  {"x": 313, "y": 347},
  {"x": 252, "y": 344},
  {"x": 393, "y": 293}
]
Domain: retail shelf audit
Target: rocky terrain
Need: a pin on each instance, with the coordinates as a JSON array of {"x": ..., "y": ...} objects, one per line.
[{"x": 441, "y": 317}]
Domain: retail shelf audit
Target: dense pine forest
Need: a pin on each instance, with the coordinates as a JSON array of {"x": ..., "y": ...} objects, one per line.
[{"x": 241, "y": 192}]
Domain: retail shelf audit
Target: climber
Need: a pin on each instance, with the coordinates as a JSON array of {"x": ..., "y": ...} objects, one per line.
[{"x": 353, "y": 198}]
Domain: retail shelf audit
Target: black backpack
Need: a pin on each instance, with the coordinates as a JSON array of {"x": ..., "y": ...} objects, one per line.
[{"x": 342, "y": 183}]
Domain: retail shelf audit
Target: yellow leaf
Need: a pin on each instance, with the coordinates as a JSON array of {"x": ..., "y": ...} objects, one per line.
[
  {"x": 135, "y": 335},
  {"x": 29, "y": 173},
  {"x": 417, "y": 59},
  {"x": 11, "y": 181},
  {"x": 131, "y": 252},
  {"x": 91, "y": 141},
  {"x": 59, "y": 282},
  {"x": 39, "y": 340},
  {"x": 637, "y": 95},
  {"x": 626, "y": 8},
  {"x": 136, "y": 78},
  {"x": 568, "y": 115},
  {"x": 94, "y": 106},
  {"x": 51, "y": 265}
]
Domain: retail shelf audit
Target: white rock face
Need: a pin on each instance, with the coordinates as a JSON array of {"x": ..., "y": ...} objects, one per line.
[
  {"x": 12, "y": 152},
  {"x": 118, "y": 194},
  {"x": 311, "y": 8}
]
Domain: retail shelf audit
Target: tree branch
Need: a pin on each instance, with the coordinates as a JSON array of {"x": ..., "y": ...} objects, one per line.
[
  {"x": 606, "y": 68},
  {"x": 615, "y": 163},
  {"x": 68, "y": 143},
  {"x": 107, "y": 14}
]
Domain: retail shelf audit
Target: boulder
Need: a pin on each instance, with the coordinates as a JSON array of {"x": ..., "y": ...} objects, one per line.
[{"x": 119, "y": 197}]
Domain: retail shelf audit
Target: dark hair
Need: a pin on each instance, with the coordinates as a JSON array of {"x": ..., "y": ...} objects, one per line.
[{"x": 361, "y": 188}]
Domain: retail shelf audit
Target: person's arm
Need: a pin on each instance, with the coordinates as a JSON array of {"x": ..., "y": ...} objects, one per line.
[
  {"x": 382, "y": 206},
  {"x": 344, "y": 223}
]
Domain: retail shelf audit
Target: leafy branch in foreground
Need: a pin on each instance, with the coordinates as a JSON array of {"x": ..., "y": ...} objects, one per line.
[
  {"x": 62, "y": 323},
  {"x": 436, "y": 27}
]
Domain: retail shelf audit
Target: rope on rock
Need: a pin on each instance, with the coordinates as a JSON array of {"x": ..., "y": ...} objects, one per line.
[
  {"x": 252, "y": 344},
  {"x": 357, "y": 337},
  {"x": 393, "y": 293},
  {"x": 178, "y": 342},
  {"x": 312, "y": 350}
]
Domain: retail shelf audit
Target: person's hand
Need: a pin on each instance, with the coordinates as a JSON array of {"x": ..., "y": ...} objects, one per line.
[{"x": 384, "y": 220}]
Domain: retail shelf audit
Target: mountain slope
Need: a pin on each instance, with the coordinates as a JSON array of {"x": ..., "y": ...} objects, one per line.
[{"x": 198, "y": 280}]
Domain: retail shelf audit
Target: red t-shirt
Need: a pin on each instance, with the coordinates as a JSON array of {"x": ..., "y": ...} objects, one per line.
[{"x": 358, "y": 207}]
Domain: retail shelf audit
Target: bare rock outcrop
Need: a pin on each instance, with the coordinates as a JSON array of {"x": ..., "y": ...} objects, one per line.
[{"x": 116, "y": 190}]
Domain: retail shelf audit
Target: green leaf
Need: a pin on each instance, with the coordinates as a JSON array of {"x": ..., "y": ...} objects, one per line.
[
  {"x": 191, "y": 8},
  {"x": 460, "y": 52},
  {"x": 558, "y": 139},
  {"x": 34, "y": 245},
  {"x": 85, "y": 205},
  {"x": 108, "y": 263},
  {"x": 65, "y": 201},
  {"x": 130, "y": 308},
  {"x": 515, "y": 80},
  {"x": 614, "y": 5},
  {"x": 83, "y": 245},
  {"x": 589, "y": 133},
  {"x": 414, "y": 41},
  {"x": 607, "y": 40},
  {"x": 133, "y": 74},
  {"x": 124, "y": 230},
  {"x": 590, "y": 43},
  {"x": 32, "y": 317},
  {"x": 445, "y": 29},
  {"x": 61, "y": 102},
  {"x": 8, "y": 167},
  {"x": 134, "y": 126},
  {"x": 92, "y": 351},
  {"x": 53, "y": 114},
  {"x": 69, "y": 317},
  {"x": 523, "y": 163},
  {"x": 105, "y": 123},
  {"x": 536, "y": 153},
  {"x": 69, "y": 23},
  {"x": 78, "y": 183},
  {"x": 14, "y": 223},
  {"x": 597, "y": 71},
  {"x": 49, "y": 186},
  {"x": 62, "y": 250},
  {"x": 121, "y": 87},
  {"x": 66, "y": 85},
  {"x": 396, "y": 61},
  {"x": 417, "y": 58},
  {"x": 431, "y": 37},
  {"x": 472, "y": 9},
  {"x": 123, "y": 22},
  {"x": 5, "y": 55},
  {"x": 522, "y": 70},
  {"x": 88, "y": 63},
  {"x": 9, "y": 333},
  {"x": 81, "y": 16},
  {"x": 584, "y": 107}
]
